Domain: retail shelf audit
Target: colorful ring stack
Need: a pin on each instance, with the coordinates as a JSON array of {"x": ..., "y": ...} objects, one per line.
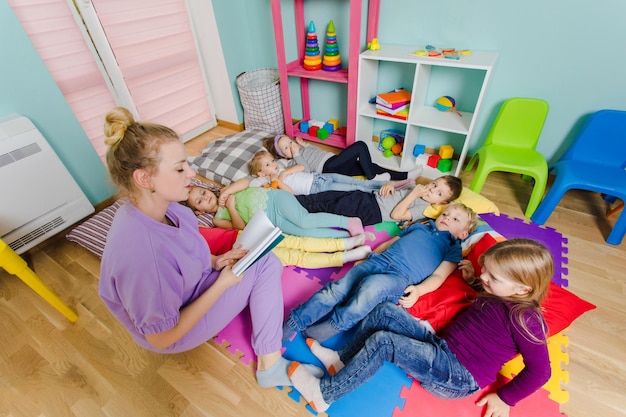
[
  {"x": 312, "y": 58},
  {"x": 332, "y": 58}
]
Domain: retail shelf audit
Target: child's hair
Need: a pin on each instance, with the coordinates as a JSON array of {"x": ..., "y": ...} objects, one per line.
[
  {"x": 525, "y": 262},
  {"x": 472, "y": 219},
  {"x": 132, "y": 145},
  {"x": 455, "y": 184},
  {"x": 271, "y": 144},
  {"x": 254, "y": 165}
]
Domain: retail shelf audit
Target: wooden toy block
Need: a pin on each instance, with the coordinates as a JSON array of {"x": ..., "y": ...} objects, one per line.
[
  {"x": 329, "y": 127},
  {"x": 313, "y": 130},
  {"x": 419, "y": 149},
  {"x": 343, "y": 131},
  {"x": 446, "y": 151},
  {"x": 304, "y": 126},
  {"x": 433, "y": 160},
  {"x": 335, "y": 124},
  {"x": 444, "y": 165}
]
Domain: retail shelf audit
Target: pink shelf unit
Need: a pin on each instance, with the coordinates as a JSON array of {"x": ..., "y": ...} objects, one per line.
[{"x": 345, "y": 76}]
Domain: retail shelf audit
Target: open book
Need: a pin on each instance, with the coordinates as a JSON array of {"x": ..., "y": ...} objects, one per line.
[{"x": 258, "y": 237}]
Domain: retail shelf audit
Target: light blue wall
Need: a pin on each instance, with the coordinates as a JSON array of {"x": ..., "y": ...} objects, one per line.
[
  {"x": 570, "y": 54},
  {"x": 27, "y": 88}
]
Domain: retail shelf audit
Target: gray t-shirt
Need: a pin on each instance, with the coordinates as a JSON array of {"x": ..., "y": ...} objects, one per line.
[
  {"x": 312, "y": 158},
  {"x": 388, "y": 203}
]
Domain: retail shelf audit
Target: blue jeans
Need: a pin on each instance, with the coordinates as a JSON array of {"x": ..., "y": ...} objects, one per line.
[
  {"x": 351, "y": 298},
  {"x": 339, "y": 182},
  {"x": 390, "y": 334}
]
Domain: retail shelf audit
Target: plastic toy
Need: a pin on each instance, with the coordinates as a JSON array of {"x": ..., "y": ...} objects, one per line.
[
  {"x": 313, "y": 130},
  {"x": 396, "y": 135},
  {"x": 419, "y": 149},
  {"x": 433, "y": 160},
  {"x": 388, "y": 142},
  {"x": 387, "y": 153},
  {"x": 447, "y": 103},
  {"x": 374, "y": 45},
  {"x": 335, "y": 123},
  {"x": 446, "y": 151},
  {"x": 312, "y": 58},
  {"x": 444, "y": 165},
  {"x": 332, "y": 59},
  {"x": 322, "y": 133},
  {"x": 304, "y": 127},
  {"x": 329, "y": 127},
  {"x": 396, "y": 149}
]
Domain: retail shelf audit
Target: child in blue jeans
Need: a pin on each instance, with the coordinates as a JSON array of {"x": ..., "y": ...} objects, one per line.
[
  {"x": 414, "y": 263},
  {"x": 504, "y": 321}
]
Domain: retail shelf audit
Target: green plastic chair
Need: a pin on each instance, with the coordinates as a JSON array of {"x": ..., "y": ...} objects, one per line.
[{"x": 510, "y": 147}]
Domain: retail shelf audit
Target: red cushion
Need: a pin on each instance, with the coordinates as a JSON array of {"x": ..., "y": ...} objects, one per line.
[
  {"x": 220, "y": 240},
  {"x": 560, "y": 308}
]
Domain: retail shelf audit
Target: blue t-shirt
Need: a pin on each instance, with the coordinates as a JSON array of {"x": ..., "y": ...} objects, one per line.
[{"x": 422, "y": 248}]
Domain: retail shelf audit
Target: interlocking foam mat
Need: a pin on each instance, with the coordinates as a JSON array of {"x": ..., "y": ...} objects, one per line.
[{"x": 391, "y": 392}]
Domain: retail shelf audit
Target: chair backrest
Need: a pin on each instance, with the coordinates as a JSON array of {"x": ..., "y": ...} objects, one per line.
[
  {"x": 602, "y": 140},
  {"x": 519, "y": 123}
]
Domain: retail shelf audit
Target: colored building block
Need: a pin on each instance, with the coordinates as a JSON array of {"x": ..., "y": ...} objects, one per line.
[
  {"x": 343, "y": 131},
  {"x": 433, "y": 160},
  {"x": 419, "y": 149},
  {"x": 335, "y": 124},
  {"x": 422, "y": 159},
  {"x": 446, "y": 151},
  {"x": 329, "y": 127},
  {"x": 304, "y": 127},
  {"x": 444, "y": 165},
  {"x": 313, "y": 130},
  {"x": 322, "y": 133}
]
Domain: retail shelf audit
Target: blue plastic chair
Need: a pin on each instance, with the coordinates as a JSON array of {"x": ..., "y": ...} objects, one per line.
[
  {"x": 510, "y": 147},
  {"x": 594, "y": 162}
]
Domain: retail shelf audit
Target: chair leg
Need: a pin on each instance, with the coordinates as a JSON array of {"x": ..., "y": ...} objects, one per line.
[
  {"x": 470, "y": 164},
  {"x": 547, "y": 205},
  {"x": 617, "y": 234},
  {"x": 535, "y": 197},
  {"x": 15, "y": 265}
]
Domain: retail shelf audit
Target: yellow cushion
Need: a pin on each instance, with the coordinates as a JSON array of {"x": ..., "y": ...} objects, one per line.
[{"x": 473, "y": 200}]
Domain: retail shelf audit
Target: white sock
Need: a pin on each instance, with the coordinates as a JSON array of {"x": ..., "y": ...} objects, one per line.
[
  {"x": 353, "y": 242},
  {"x": 308, "y": 386},
  {"x": 414, "y": 173},
  {"x": 276, "y": 375},
  {"x": 385, "y": 176},
  {"x": 355, "y": 254},
  {"x": 328, "y": 357}
]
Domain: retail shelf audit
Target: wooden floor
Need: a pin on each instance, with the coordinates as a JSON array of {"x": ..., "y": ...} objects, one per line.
[{"x": 50, "y": 367}]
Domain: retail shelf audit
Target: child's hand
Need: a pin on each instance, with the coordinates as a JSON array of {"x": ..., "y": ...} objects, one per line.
[
  {"x": 410, "y": 297},
  {"x": 419, "y": 189},
  {"x": 387, "y": 189},
  {"x": 300, "y": 141},
  {"x": 229, "y": 258},
  {"x": 467, "y": 270},
  {"x": 495, "y": 406},
  {"x": 223, "y": 197}
]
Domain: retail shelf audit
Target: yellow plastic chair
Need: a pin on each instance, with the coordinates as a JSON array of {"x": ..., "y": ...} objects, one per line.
[
  {"x": 510, "y": 147},
  {"x": 15, "y": 265}
]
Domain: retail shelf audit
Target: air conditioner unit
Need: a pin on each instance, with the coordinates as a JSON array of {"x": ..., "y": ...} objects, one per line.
[{"x": 38, "y": 196}]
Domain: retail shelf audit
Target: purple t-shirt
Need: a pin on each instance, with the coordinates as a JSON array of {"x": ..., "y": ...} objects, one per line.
[
  {"x": 150, "y": 270},
  {"x": 484, "y": 338}
]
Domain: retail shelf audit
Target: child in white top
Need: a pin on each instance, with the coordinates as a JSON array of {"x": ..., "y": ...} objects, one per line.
[{"x": 269, "y": 172}]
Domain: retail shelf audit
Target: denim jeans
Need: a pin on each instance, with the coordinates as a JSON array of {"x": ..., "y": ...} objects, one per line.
[
  {"x": 339, "y": 182},
  {"x": 390, "y": 334},
  {"x": 351, "y": 298}
]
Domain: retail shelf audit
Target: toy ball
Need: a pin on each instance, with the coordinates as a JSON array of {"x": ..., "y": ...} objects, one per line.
[
  {"x": 388, "y": 142},
  {"x": 445, "y": 103},
  {"x": 396, "y": 149},
  {"x": 387, "y": 153}
]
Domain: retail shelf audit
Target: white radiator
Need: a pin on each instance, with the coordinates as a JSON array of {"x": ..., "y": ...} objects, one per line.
[{"x": 38, "y": 196}]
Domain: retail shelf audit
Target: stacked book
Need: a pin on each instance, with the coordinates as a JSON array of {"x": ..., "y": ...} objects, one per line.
[{"x": 394, "y": 104}]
